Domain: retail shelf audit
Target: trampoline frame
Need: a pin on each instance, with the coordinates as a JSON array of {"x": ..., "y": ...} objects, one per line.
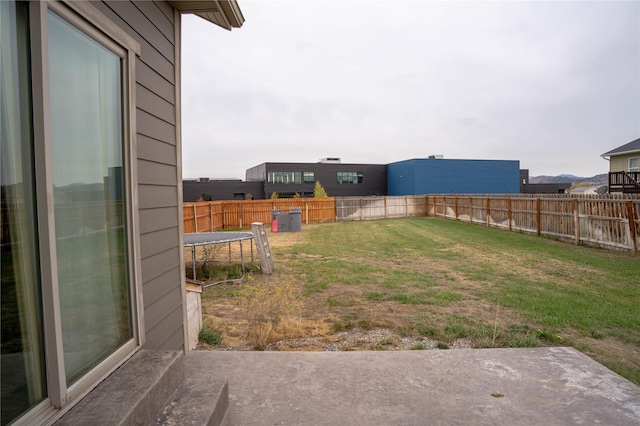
[{"x": 211, "y": 238}]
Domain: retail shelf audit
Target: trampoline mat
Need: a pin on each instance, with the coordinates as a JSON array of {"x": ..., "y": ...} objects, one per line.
[{"x": 203, "y": 238}]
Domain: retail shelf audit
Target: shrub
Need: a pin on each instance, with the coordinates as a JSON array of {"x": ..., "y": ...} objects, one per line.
[
  {"x": 210, "y": 336},
  {"x": 319, "y": 191}
]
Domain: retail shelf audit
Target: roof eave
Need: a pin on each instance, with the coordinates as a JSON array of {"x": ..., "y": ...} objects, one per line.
[
  {"x": 224, "y": 13},
  {"x": 616, "y": 154}
]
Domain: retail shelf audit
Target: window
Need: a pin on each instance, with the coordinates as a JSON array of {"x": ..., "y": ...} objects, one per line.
[
  {"x": 350, "y": 177},
  {"x": 66, "y": 206},
  {"x": 308, "y": 177},
  {"x": 284, "y": 177},
  {"x": 22, "y": 367},
  {"x": 634, "y": 164}
]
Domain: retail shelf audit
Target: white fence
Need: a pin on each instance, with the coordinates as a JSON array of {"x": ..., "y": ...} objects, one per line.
[{"x": 363, "y": 208}]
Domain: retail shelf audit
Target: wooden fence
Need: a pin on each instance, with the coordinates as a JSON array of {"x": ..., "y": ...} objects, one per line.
[
  {"x": 218, "y": 215},
  {"x": 605, "y": 220},
  {"x": 363, "y": 208}
]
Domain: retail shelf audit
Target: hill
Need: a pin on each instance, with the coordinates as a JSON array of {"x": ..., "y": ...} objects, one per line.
[{"x": 597, "y": 180}]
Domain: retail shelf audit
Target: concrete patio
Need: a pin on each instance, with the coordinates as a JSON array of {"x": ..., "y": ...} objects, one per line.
[{"x": 537, "y": 386}]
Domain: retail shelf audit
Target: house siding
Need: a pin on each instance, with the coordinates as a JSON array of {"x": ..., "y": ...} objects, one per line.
[
  {"x": 152, "y": 25},
  {"x": 621, "y": 163}
]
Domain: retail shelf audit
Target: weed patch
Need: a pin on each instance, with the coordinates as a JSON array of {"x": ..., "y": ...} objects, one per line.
[{"x": 210, "y": 336}]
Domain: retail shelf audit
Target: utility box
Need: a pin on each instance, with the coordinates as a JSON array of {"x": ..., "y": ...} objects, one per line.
[
  {"x": 283, "y": 222},
  {"x": 295, "y": 217}
]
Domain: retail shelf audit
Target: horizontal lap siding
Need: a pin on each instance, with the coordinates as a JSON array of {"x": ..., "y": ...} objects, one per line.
[
  {"x": 620, "y": 163},
  {"x": 157, "y": 219},
  {"x": 152, "y": 25},
  {"x": 153, "y": 150}
]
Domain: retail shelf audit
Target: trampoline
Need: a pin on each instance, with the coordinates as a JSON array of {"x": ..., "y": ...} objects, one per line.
[{"x": 210, "y": 238}]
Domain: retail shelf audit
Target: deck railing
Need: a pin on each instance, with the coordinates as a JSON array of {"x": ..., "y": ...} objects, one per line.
[{"x": 625, "y": 182}]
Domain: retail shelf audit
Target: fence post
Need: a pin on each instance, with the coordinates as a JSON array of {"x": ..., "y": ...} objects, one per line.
[
  {"x": 385, "y": 207},
  {"x": 306, "y": 208},
  {"x": 455, "y": 206},
  {"x": 632, "y": 226},
  {"x": 360, "y": 201},
  {"x": 224, "y": 225},
  {"x": 509, "y": 212},
  {"x": 488, "y": 211},
  {"x": 538, "y": 225},
  {"x": 211, "y": 216},
  {"x": 472, "y": 212},
  {"x": 406, "y": 206},
  {"x": 576, "y": 220},
  {"x": 195, "y": 218}
]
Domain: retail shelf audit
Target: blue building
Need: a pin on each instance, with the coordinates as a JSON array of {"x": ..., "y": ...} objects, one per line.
[{"x": 442, "y": 176}]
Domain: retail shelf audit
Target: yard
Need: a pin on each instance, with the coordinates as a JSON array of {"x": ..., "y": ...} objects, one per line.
[{"x": 423, "y": 283}]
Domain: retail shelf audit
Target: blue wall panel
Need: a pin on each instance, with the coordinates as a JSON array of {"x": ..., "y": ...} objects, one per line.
[{"x": 443, "y": 176}]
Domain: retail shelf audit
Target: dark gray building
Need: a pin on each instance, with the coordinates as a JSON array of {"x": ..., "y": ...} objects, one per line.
[
  {"x": 206, "y": 189},
  {"x": 338, "y": 179},
  {"x": 540, "y": 188}
]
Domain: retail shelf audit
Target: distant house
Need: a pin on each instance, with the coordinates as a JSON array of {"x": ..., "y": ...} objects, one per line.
[
  {"x": 443, "y": 176},
  {"x": 624, "y": 167},
  {"x": 92, "y": 265}
]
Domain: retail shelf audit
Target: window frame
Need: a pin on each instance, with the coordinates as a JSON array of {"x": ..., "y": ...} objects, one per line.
[
  {"x": 91, "y": 22},
  {"x": 349, "y": 178},
  {"x": 633, "y": 169},
  {"x": 284, "y": 178},
  {"x": 308, "y": 177}
]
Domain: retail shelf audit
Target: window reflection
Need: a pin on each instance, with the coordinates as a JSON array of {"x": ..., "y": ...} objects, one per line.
[
  {"x": 85, "y": 82},
  {"x": 22, "y": 359}
]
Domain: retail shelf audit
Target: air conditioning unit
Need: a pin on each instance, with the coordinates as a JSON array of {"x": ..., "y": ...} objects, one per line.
[{"x": 331, "y": 160}]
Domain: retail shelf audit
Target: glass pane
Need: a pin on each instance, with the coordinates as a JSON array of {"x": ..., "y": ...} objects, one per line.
[
  {"x": 22, "y": 356},
  {"x": 85, "y": 82}
]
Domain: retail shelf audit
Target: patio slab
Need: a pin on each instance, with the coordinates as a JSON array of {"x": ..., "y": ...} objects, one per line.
[{"x": 533, "y": 386}]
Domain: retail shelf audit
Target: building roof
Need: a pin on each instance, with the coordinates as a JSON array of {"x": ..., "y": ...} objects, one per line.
[
  {"x": 224, "y": 13},
  {"x": 628, "y": 148}
]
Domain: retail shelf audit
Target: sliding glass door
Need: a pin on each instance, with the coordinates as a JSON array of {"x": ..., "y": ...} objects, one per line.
[
  {"x": 67, "y": 293},
  {"x": 22, "y": 372},
  {"x": 85, "y": 97}
]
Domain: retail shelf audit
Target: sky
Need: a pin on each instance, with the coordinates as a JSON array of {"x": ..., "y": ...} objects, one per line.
[{"x": 551, "y": 84}]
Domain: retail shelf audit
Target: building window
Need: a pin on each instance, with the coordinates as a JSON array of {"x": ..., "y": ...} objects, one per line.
[
  {"x": 634, "y": 164},
  {"x": 308, "y": 177},
  {"x": 284, "y": 177},
  {"x": 68, "y": 285},
  {"x": 350, "y": 177}
]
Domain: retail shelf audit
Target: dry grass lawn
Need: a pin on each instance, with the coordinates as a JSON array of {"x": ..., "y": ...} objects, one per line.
[{"x": 427, "y": 283}]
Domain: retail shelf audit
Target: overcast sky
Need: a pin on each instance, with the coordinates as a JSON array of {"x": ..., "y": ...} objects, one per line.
[{"x": 551, "y": 84}]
